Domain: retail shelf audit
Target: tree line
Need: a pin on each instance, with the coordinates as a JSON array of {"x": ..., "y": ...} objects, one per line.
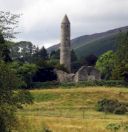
[
  {"x": 12, "y": 96},
  {"x": 114, "y": 64}
]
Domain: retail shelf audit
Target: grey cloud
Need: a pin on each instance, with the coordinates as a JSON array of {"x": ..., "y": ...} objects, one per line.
[
  {"x": 12, "y": 5},
  {"x": 86, "y": 17}
]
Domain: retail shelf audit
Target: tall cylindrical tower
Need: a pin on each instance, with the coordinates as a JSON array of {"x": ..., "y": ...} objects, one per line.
[{"x": 65, "y": 49}]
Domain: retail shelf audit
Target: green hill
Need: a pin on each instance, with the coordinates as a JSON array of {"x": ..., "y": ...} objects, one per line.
[
  {"x": 97, "y": 43},
  {"x": 97, "y": 47}
]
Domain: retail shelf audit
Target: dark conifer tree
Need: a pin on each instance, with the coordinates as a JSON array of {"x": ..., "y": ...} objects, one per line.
[
  {"x": 120, "y": 70},
  {"x": 55, "y": 54},
  {"x": 91, "y": 60},
  {"x": 73, "y": 56},
  {"x": 43, "y": 53},
  {"x": 5, "y": 51}
]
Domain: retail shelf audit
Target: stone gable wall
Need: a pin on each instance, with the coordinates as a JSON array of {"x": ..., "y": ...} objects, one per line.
[{"x": 85, "y": 73}]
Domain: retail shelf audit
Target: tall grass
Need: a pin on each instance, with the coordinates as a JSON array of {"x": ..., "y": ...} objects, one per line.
[{"x": 70, "y": 110}]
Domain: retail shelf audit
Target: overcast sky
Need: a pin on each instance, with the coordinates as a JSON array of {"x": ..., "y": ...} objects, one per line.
[{"x": 41, "y": 19}]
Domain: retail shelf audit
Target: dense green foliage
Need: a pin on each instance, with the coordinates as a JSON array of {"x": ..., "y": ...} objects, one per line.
[
  {"x": 27, "y": 52},
  {"x": 23, "y": 51},
  {"x": 11, "y": 96},
  {"x": 115, "y": 65},
  {"x": 25, "y": 71},
  {"x": 73, "y": 56},
  {"x": 43, "y": 53},
  {"x": 112, "y": 106},
  {"x": 105, "y": 64},
  {"x": 4, "y": 50},
  {"x": 55, "y": 55},
  {"x": 10, "y": 99},
  {"x": 52, "y": 84},
  {"x": 8, "y": 82},
  {"x": 114, "y": 127},
  {"x": 120, "y": 70}
]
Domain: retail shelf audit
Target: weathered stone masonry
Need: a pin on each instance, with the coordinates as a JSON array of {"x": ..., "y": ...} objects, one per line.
[{"x": 65, "y": 57}]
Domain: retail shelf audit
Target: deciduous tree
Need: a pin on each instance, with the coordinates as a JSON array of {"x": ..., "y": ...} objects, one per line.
[{"x": 105, "y": 64}]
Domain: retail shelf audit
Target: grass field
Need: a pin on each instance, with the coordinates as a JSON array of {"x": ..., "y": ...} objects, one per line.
[{"x": 71, "y": 110}]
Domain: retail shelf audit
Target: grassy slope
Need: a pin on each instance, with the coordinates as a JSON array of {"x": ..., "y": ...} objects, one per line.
[
  {"x": 61, "y": 110},
  {"x": 97, "y": 47}
]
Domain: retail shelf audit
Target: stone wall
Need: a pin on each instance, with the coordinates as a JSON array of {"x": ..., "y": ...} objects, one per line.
[
  {"x": 64, "y": 76},
  {"x": 85, "y": 73}
]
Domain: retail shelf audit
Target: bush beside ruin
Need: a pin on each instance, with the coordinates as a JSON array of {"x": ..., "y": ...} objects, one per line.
[{"x": 111, "y": 106}]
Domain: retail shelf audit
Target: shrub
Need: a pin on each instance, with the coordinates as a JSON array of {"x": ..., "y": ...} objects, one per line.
[
  {"x": 51, "y": 84},
  {"x": 112, "y": 106},
  {"x": 113, "y": 127},
  {"x": 2, "y": 124},
  {"x": 24, "y": 97},
  {"x": 45, "y": 85},
  {"x": 120, "y": 110},
  {"x": 10, "y": 97},
  {"x": 7, "y": 118},
  {"x": 122, "y": 126}
]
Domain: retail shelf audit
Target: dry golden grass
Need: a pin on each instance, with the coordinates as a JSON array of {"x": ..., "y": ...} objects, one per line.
[{"x": 60, "y": 110}]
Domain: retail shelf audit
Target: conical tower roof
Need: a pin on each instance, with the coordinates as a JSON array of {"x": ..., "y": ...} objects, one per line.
[{"x": 65, "y": 20}]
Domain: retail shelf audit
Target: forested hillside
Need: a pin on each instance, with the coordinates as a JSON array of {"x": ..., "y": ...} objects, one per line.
[{"x": 94, "y": 44}]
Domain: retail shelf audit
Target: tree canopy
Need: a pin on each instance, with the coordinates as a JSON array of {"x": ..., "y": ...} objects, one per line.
[
  {"x": 105, "y": 64},
  {"x": 11, "y": 96},
  {"x": 8, "y": 24},
  {"x": 120, "y": 70}
]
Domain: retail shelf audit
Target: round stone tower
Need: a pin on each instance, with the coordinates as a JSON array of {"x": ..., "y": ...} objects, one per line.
[{"x": 65, "y": 50}]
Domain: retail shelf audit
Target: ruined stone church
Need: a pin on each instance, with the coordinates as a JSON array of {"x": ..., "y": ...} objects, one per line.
[{"x": 85, "y": 73}]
